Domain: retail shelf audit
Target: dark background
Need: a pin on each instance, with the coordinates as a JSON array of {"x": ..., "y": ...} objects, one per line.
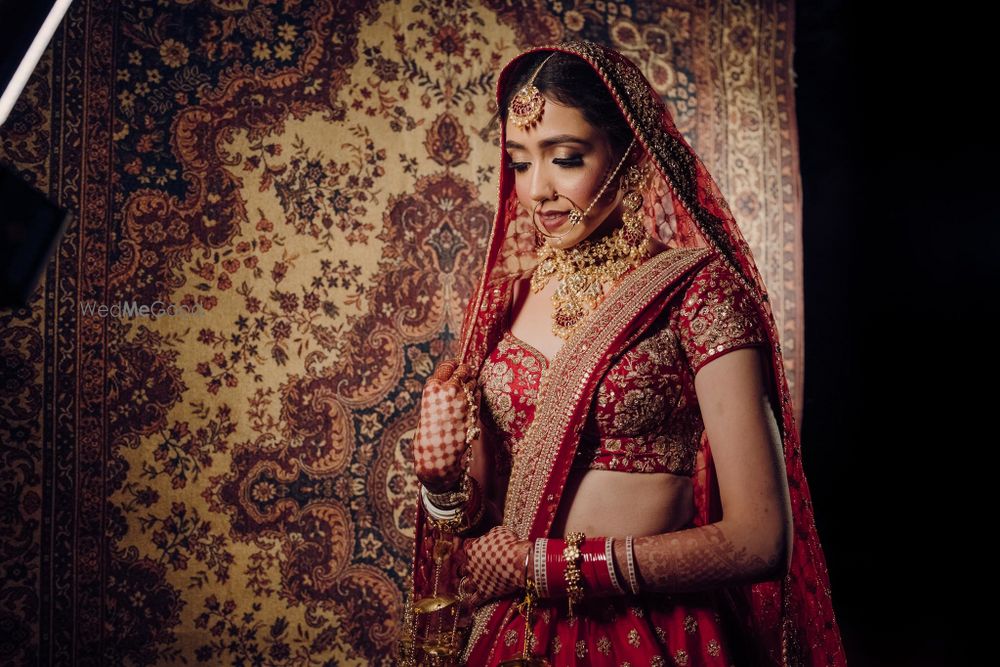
[
  {"x": 18, "y": 27},
  {"x": 898, "y": 155}
]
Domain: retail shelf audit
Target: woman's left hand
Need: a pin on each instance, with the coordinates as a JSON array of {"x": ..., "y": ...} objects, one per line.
[{"x": 494, "y": 565}]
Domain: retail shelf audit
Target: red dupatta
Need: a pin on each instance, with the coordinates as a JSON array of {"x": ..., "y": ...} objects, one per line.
[{"x": 792, "y": 621}]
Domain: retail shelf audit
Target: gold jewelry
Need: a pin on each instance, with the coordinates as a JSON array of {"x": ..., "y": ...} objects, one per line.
[
  {"x": 576, "y": 216},
  {"x": 460, "y": 519},
  {"x": 583, "y": 269},
  {"x": 430, "y": 613},
  {"x": 462, "y": 593},
  {"x": 460, "y": 523},
  {"x": 451, "y": 499},
  {"x": 574, "y": 221},
  {"x": 526, "y": 107},
  {"x": 574, "y": 578},
  {"x": 526, "y": 608},
  {"x": 472, "y": 423}
]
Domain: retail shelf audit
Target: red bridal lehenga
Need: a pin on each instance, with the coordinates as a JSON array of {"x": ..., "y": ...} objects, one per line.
[{"x": 620, "y": 395}]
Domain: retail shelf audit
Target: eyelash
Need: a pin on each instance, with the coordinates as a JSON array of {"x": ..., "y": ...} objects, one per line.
[{"x": 567, "y": 163}]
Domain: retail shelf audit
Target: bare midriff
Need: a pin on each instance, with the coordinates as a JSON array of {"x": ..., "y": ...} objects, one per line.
[{"x": 615, "y": 503}]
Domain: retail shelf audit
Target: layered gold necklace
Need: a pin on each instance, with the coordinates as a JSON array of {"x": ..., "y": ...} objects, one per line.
[{"x": 584, "y": 269}]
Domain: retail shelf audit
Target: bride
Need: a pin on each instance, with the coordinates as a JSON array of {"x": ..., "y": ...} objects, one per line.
[{"x": 611, "y": 472}]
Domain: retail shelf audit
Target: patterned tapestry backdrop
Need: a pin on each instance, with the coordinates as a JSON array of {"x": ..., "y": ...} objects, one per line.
[{"x": 308, "y": 186}]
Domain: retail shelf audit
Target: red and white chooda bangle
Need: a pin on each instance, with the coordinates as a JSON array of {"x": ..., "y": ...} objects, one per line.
[{"x": 556, "y": 562}]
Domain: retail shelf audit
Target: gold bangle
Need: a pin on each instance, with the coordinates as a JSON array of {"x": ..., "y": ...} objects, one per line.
[
  {"x": 463, "y": 521},
  {"x": 574, "y": 578},
  {"x": 447, "y": 500},
  {"x": 472, "y": 418}
]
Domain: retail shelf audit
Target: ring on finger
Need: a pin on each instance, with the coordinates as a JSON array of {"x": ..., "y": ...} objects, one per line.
[{"x": 464, "y": 594}]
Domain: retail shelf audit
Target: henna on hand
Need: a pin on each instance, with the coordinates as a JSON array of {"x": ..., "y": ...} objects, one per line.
[
  {"x": 494, "y": 565},
  {"x": 695, "y": 559},
  {"x": 440, "y": 441}
]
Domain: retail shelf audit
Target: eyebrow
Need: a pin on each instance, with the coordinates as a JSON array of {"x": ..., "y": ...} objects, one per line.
[{"x": 551, "y": 141}]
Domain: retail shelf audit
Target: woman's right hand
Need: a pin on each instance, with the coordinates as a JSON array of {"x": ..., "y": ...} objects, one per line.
[{"x": 444, "y": 414}]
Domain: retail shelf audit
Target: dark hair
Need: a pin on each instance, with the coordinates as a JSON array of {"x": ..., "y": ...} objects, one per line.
[{"x": 569, "y": 80}]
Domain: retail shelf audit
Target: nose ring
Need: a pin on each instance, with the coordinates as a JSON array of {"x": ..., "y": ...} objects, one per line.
[{"x": 574, "y": 218}]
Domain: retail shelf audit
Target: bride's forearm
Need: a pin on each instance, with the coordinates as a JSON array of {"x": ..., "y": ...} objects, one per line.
[{"x": 701, "y": 558}]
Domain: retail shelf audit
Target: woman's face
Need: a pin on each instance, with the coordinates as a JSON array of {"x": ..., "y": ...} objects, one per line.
[{"x": 563, "y": 153}]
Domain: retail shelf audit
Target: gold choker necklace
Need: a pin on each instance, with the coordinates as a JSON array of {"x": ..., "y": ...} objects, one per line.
[{"x": 583, "y": 269}]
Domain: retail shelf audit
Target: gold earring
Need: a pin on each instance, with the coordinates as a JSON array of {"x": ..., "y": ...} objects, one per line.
[{"x": 632, "y": 182}]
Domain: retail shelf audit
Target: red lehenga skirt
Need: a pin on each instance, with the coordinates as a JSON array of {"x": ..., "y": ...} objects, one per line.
[{"x": 638, "y": 631}]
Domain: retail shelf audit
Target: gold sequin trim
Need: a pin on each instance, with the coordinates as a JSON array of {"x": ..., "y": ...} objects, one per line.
[{"x": 479, "y": 620}]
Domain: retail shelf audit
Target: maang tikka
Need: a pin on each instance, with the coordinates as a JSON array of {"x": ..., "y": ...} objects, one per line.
[{"x": 526, "y": 107}]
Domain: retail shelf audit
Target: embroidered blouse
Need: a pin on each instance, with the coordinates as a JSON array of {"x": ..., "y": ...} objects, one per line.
[{"x": 645, "y": 415}]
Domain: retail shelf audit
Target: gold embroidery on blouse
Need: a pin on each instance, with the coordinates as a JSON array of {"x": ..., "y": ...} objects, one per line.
[
  {"x": 581, "y": 649},
  {"x": 639, "y": 411},
  {"x": 714, "y": 648},
  {"x": 663, "y": 347},
  {"x": 604, "y": 645},
  {"x": 497, "y": 378},
  {"x": 681, "y": 657},
  {"x": 715, "y": 323},
  {"x": 644, "y": 407},
  {"x": 633, "y": 637},
  {"x": 649, "y": 426}
]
